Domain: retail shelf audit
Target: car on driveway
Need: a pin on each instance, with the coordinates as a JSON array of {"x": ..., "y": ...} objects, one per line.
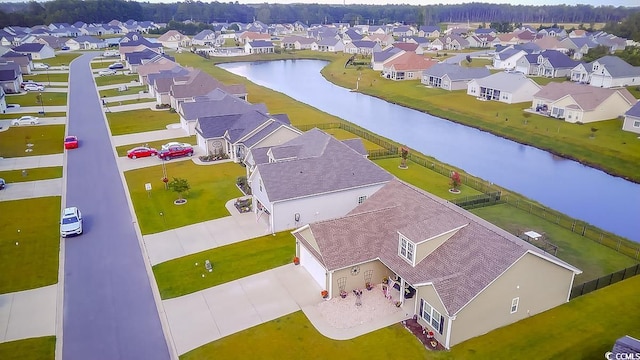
[
  {"x": 107, "y": 72},
  {"x": 40, "y": 66},
  {"x": 25, "y": 120},
  {"x": 71, "y": 142},
  {"x": 116, "y": 66},
  {"x": 174, "y": 143},
  {"x": 71, "y": 222},
  {"x": 141, "y": 151},
  {"x": 64, "y": 48},
  {"x": 33, "y": 87},
  {"x": 2, "y": 183},
  {"x": 22, "y": 84},
  {"x": 174, "y": 152}
]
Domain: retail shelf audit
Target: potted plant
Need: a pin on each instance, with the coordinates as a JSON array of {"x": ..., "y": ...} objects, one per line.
[
  {"x": 385, "y": 280},
  {"x": 343, "y": 294},
  {"x": 398, "y": 303},
  {"x": 324, "y": 293},
  {"x": 369, "y": 286},
  {"x": 296, "y": 260},
  {"x": 433, "y": 343},
  {"x": 430, "y": 334}
]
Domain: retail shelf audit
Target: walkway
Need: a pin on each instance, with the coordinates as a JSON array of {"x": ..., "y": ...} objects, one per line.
[
  {"x": 29, "y": 162},
  {"x": 31, "y": 189},
  {"x": 27, "y": 314}
]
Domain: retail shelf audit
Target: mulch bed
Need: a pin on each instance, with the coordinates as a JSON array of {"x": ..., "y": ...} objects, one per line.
[{"x": 416, "y": 329}]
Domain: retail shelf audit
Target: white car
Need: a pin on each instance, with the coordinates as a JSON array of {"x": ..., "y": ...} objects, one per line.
[
  {"x": 25, "y": 120},
  {"x": 174, "y": 143},
  {"x": 40, "y": 66},
  {"x": 33, "y": 87},
  {"x": 71, "y": 222},
  {"x": 107, "y": 72}
]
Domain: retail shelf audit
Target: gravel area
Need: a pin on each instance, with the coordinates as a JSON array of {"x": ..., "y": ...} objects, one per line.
[{"x": 343, "y": 313}]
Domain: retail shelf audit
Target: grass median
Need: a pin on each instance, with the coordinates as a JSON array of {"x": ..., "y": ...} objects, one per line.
[
  {"x": 39, "y": 348},
  {"x": 135, "y": 121},
  {"x": 46, "y": 140},
  {"x": 230, "y": 262},
  {"x": 32, "y": 224},
  {"x": 34, "y": 174},
  {"x": 211, "y": 187}
]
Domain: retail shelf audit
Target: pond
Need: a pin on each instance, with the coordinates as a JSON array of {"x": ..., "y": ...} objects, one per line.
[{"x": 606, "y": 201}]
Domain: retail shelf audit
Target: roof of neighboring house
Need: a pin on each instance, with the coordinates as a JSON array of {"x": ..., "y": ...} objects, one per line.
[
  {"x": 175, "y": 34},
  {"x": 406, "y": 46},
  {"x": 459, "y": 269},
  {"x": 315, "y": 163},
  {"x": 329, "y": 41},
  {"x": 383, "y": 55},
  {"x": 503, "y": 55},
  {"x": 559, "y": 60},
  {"x": 198, "y": 83},
  {"x": 203, "y": 34},
  {"x": 137, "y": 57},
  {"x": 618, "y": 67},
  {"x": 526, "y": 36},
  {"x": 586, "y": 97},
  {"x": 504, "y": 81},
  {"x": 216, "y": 103},
  {"x": 260, "y": 44},
  {"x": 411, "y": 61},
  {"x": 9, "y": 71},
  {"x": 255, "y": 35},
  {"x": 155, "y": 66},
  {"x": 582, "y": 41},
  {"x": 364, "y": 44},
  {"x": 485, "y": 31},
  {"x": 548, "y": 42},
  {"x": 168, "y": 74},
  {"x": 634, "y": 111},
  {"x": 456, "y": 72},
  {"x": 53, "y": 41},
  {"x": 237, "y": 126},
  {"x": 282, "y": 121},
  {"x": 29, "y": 48},
  {"x": 357, "y": 145},
  {"x": 353, "y": 35},
  {"x": 430, "y": 28}
]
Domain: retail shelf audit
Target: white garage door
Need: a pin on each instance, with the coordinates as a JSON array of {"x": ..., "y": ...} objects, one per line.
[{"x": 314, "y": 268}]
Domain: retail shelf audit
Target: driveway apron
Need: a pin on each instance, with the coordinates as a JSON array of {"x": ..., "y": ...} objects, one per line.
[{"x": 109, "y": 309}]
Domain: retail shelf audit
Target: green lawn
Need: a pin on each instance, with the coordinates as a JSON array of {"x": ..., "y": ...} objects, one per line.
[
  {"x": 34, "y": 261},
  {"x": 135, "y": 121},
  {"x": 41, "y": 348},
  {"x": 120, "y": 78},
  {"x": 634, "y": 90},
  {"x": 130, "y": 90},
  {"x": 46, "y": 139},
  {"x": 122, "y": 150},
  {"x": 211, "y": 187},
  {"x": 34, "y": 174},
  {"x": 593, "y": 259},
  {"x": 45, "y": 78},
  {"x": 542, "y": 81},
  {"x": 476, "y": 63},
  {"x": 104, "y": 63},
  {"x": 151, "y": 102},
  {"x": 31, "y": 99},
  {"x": 231, "y": 262},
  {"x": 62, "y": 59}
]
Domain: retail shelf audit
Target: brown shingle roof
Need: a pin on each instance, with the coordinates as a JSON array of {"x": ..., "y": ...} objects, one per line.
[
  {"x": 586, "y": 97},
  {"x": 410, "y": 61}
]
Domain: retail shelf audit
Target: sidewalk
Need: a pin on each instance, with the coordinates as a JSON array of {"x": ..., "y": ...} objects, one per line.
[
  {"x": 143, "y": 105},
  {"x": 29, "y": 313},
  {"x": 31, "y": 189},
  {"x": 29, "y": 162},
  {"x": 36, "y": 109}
]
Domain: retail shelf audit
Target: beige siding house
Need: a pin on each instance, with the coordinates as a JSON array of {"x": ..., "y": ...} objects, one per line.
[
  {"x": 632, "y": 119},
  {"x": 458, "y": 274},
  {"x": 510, "y": 88}
]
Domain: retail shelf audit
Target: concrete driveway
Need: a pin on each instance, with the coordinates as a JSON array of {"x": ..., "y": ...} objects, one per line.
[
  {"x": 31, "y": 189},
  {"x": 30, "y": 313}
]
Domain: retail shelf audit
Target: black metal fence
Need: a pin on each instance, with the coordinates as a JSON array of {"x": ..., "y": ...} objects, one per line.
[{"x": 604, "y": 281}]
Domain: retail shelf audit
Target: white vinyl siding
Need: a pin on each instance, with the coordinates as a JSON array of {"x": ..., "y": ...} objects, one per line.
[{"x": 406, "y": 249}]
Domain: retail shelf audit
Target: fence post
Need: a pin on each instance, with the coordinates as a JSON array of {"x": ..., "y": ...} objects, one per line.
[
  {"x": 573, "y": 226},
  {"x": 584, "y": 229}
]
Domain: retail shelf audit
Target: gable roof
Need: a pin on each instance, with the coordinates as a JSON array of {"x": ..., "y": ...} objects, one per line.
[
  {"x": 260, "y": 43},
  {"x": 203, "y": 34},
  {"x": 198, "y": 83},
  {"x": 634, "y": 111},
  {"x": 618, "y": 67},
  {"x": 216, "y": 103},
  {"x": 558, "y": 59},
  {"x": 429, "y": 28},
  {"x": 411, "y": 61},
  {"x": 367, "y": 44},
  {"x": 456, "y": 72},
  {"x": 29, "y": 48},
  {"x": 459, "y": 269},
  {"x": 315, "y": 163},
  {"x": 175, "y": 34},
  {"x": 386, "y": 54},
  {"x": 406, "y": 46},
  {"x": 504, "y": 81},
  {"x": 586, "y": 97}
]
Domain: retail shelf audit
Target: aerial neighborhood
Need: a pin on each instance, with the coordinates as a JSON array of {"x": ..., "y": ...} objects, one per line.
[{"x": 352, "y": 243}]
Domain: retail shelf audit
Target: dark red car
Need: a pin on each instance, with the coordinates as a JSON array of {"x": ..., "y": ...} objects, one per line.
[
  {"x": 71, "y": 142},
  {"x": 175, "y": 151},
  {"x": 141, "y": 151}
]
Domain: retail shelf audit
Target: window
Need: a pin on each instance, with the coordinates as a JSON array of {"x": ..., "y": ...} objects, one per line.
[
  {"x": 431, "y": 316},
  {"x": 406, "y": 249},
  {"x": 361, "y": 199},
  {"x": 514, "y": 304},
  {"x": 636, "y": 123},
  {"x": 260, "y": 183}
]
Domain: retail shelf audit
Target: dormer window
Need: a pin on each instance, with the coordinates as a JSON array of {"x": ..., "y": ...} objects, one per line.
[{"x": 406, "y": 249}]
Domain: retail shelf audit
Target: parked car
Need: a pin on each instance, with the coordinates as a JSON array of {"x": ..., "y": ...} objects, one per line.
[
  {"x": 64, "y": 48},
  {"x": 116, "y": 66},
  {"x": 174, "y": 143},
  {"x": 2, "y": 183},
  {"x": 174, "y": 152},
  {"x": 107, "y": 72},
  {"x": 22, "y": 84},
  {"x": 33, "y": 87},
  {"x": 25, "y": 120},
  {"x": 40, "y": 66},
  {"x": 71, "y": 142},
  {"x": 71, "y": 222},
  {"x": 111, "y": 53},
  {"x": 141, "y": 151}
]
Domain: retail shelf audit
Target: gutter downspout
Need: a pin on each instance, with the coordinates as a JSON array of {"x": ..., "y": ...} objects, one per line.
[{"x": 449, "y": 325}]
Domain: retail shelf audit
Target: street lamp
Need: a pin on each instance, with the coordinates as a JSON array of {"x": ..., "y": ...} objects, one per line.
[
  {"x": 48, "y": 79},
  {"x": 41, "y": 102}
]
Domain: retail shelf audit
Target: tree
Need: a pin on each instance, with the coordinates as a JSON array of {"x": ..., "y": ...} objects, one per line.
[
  {"x": 455, "y": 181},
  {"x": 180, "y": 186},
  {"x": 404, "y": 153},
  {"x": 595, "y": 53}
]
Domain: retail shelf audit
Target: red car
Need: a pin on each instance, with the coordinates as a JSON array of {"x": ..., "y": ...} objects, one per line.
[
  {"x": 141, "y": 151},
  {"x": 175, "y": 151},
  {"x": 71, "y": 142}
]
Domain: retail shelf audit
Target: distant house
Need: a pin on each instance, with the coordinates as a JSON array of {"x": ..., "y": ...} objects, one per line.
[
  {"x": 409, "y": 47},
  {"x": 159, "y": 83},
  {"x": 382, "y": 39},
  {"x": 429, "y": 31},
  {"x": 330, "y": 44},
  {"x": 85, "y": 42},
  {"x": 198, "y": 83},
  {"x": 22, "y": 60},
  {"x": 455, "y": 42},
  {"x": 259, "y": 47},
  {"x": 204, "y": 37},
  {"x": 485, "y": 32},
  {"x": 10, "y": 77},
  {"x": 632, "y": 119},
  {"x": 581, "y": 103},
  {"x": 139, "y": 58},
  {"x": 480, "y": 41},
  {"x": 401, "y": 31},
  {"x": 527, "y": 64},
  {"x": 505, "y": 87},
  {"x": 309, "y": 195},
  {"x": 611, "y": 71},
  {"x": 350, "y": 36},
  {"x": 173, "y": 39},
  {"x": 579, "y": 45},
  {"x": 380, "y": 57},
  {"x": 408, "y": 66},
  {"x": 452, "y": 76},
  {"x": 37, "y": 51},
  {"x": 457, "y": 274},
  {"x": 152, "y": 67},
  {"x": 549, "y": 43},
  {"x": 52, "y": 41},
  {"x": 552, "y": 63},
  {"x": 362, "y": 47},
  {"x": 249, "y": 36},
  {"x": 507, "y": 59}
]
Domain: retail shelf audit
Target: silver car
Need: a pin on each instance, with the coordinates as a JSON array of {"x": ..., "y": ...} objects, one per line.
[
  {"x": 71, "y": 222},
  {"x": 25, "y": 120}
]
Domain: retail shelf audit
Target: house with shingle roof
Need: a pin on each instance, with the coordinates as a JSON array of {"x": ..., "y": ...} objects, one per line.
[
  {"x": 310, "y": 178},
  {"x": 138, "y": 58},
  {"x": 458, "y": 274},
  {"x": 198, "y": 83},
  {"x": 350, "y": 36},
  {"x": 155, "y": 66},
  {"x": 10, "y": 77},
  {"x": 235, "y": 135},
  {"x": 527, "y": 64},
  {"x": 429, "y": 31},
  {"x": 581, "y": 103},
  {"x": 37, "y": 51},
  {"x": 159, "y": 83},
  {"x": 408, "y": 66},
  {"x": 611, "y": 71},
  {"x": 380, "y": 57},
  {"x": 22, "y": 60},
  {"x": 507, "y": 58},
  {"x": 52, "y": 41},
  {"x": 452, "y": 76},
  {"x": 174, "y": 39},
  {"x": 249, "y": 36},
  {"x": 481, "y": 41},
  {"x": 552, "y": 63},
  {"x": 259, "y": 47},
  {"x": 505, "y": 87},
  {"x": 632, "y": 119},
  {"x": 330, "y": 44},
  {"x": 362, "y": 47},
  {"x": 86, "y": 42},
  {"x": 382, "y": 39},
  {"x": 204, "y": 37},
  {"x": 579, "y": 45},
  {"x": 409, "y": 47}
]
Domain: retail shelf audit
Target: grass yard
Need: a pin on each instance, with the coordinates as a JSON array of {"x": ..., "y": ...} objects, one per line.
[
  {"x": 34, "y": 261},
  {"x": 45, "y": 79},
  {"x": 476, "y": 63},
  {"x": 135, "y": 121},
  {"x": 103, "y": 63},
  {"x": 40, "y": 348},
  {"x": 32, "y": 98},
  {"x": 634, "y": 90},
  {"x": 593, "y": 259},
  {"x": 211, "y": 187},
  {"x": 119, "y": 78},
  {"x": 151, "y": 102},
  {"x": 130, "y": 90},
  {"x": 62, "y": 59},
  {"x": 231, "y": 262},
  {"x": 542, "y": 81},
  {"x": 34, "y": 174},
  {"x": 294, "y": 337},
  {"x": 46, "y": 139},
  {"x": 15, "y": 116},
  {"x": 122, "y": 150},
  {"x": 345, "y": 135}
]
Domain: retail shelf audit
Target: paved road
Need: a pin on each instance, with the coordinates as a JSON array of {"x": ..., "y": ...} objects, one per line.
[{"x": 109, "y": 309}]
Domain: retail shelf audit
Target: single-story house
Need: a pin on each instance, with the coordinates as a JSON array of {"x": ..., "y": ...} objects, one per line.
[
  {"x": 382, "y": 39},
  {"x": 507, "y": 59},
  {"x": 198, "y": 83},
  {"x": 581, "y": 103},
  {"x": 632, "y": 119},
  {"x": 86, "y": 42},
  {"x": 429, "y": 31},
  {"x": 552, "y": 63},
  {"x": 380, "y": 57},
  {"x": 38, "y": 51},
  {"x": 204, "y": 37},
  {"x": 10, "y": 77},
  {"x": 452, "y": 76},
  {"x": 408, "y": 66},
  {"x": 160, "y": 83},
  {"x": 249, "y": 36},
  {"x": 173, "y": 39},
  {"x": 362, "y": 47},
  {"x": 310, "y": 178},
  {"x": 458, "y": 274},
  {"x": 22, "y": 60},
  {"x": 259, "y": 47},
  {"x": 505, "y": 87},
  {"x": 330, "y": 44},
  {"x": 160, "y": 64},
  {"x": 611, "y": 71}
]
